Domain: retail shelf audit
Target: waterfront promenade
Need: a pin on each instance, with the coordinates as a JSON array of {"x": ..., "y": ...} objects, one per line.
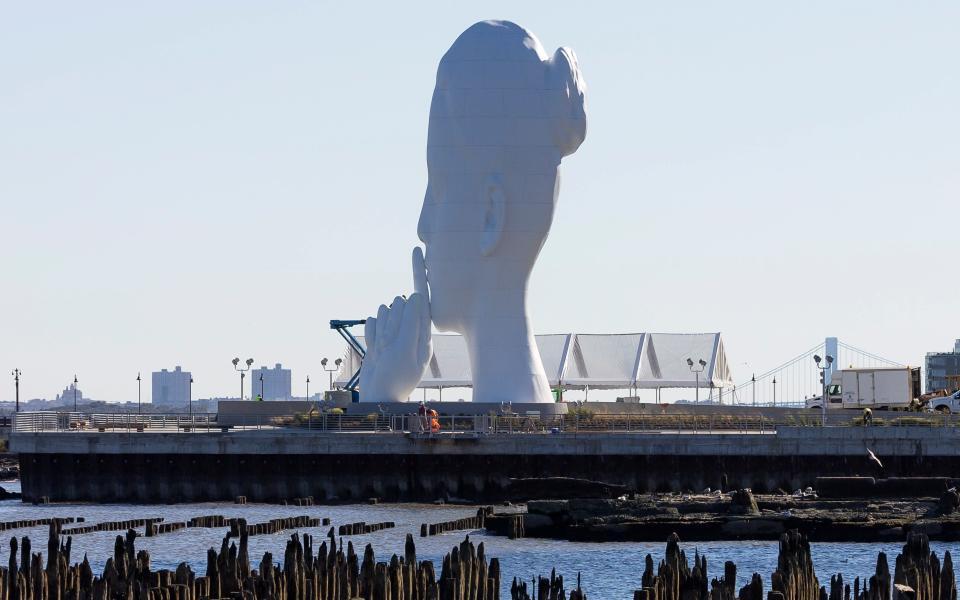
[{"x": 473, "y": 458}]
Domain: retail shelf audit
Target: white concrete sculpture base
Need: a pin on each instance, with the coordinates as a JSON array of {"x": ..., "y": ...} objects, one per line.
[{"x": 503, "y": 116}]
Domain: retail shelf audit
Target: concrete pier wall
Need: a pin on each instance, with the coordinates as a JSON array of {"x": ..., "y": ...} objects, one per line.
[{"x": 276, "y": 465}]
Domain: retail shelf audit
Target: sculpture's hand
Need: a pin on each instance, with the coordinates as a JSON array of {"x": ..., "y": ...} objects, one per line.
[{"x": 398, "y": 342}]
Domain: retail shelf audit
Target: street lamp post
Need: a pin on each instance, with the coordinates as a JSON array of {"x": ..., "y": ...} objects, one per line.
[
  {"x": 774, "y": 391},
  {"x": 261, "y": 384},
  {"x": 693, "y": 368},
  {"x": 242, "y": 371},
  {"x": 16, "y": 384},
  {"x": 75, "y": 382},
  {"x": 823, "y": 366},
  {"x": 138, "y": 395},
  {"x": 308, "y": 388},
  {"x": 753, "y": 381},
  {"x": 336, "y": 368},
  {"x": 190, "y": 399}
]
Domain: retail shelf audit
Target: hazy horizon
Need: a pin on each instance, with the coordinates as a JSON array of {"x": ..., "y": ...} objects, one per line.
[{"x": 182, "y": 184}]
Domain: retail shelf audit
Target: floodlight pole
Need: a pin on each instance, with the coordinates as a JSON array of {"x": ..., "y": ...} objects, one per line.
[
  {"x": 242, "y": 371},
  {"x": 697, "y": 372},
  {"x": 336, "y": 367}
]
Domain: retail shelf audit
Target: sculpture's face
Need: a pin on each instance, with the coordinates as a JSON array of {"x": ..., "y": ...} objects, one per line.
[
  {"x": 479, "y": 261},
  {"x": 503, "y": 115}
]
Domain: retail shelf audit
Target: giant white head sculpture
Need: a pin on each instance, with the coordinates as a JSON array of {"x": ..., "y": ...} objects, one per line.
[{"x": 503, "y": 115}]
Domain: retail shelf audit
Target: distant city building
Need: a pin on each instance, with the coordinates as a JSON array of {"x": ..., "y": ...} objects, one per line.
[
  {"x": 70, "y": 394},
  {"x": 171, "y": 388},
  {"x": 276, "y": 383},
  {"x": 943, "y": 369}
]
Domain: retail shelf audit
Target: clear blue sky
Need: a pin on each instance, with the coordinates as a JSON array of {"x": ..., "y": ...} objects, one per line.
[{"x": 185, "y": 182}]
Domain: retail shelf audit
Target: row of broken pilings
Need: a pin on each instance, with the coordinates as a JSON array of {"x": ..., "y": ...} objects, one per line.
[
  {"x": 475, "y": 522},
  {"x": 545, "y": 589},
  {"x": 5, "y": 525},
  {"x": 918, "y": 575},
  {"x": 363, "y": 527},
  {"x": 335, "y": 573},
  {"x": 330, "y": 573},
  {"x": 506, "y": 524},
  {"x": 239, "y": 527}
]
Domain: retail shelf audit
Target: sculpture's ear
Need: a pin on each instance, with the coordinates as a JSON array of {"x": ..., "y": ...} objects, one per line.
[
  {"x": 495, "y": 214},
  {"x": 567, "y": 105}
]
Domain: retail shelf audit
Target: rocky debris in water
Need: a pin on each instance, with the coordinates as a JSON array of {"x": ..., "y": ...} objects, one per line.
[
  {"x": 9, "y": 468},
  {"x": 739, "y": 515},
  {"x": 5, "y": 495},
  {"x": 742, "y": 502},
  {"x": 949, "y": 502}
]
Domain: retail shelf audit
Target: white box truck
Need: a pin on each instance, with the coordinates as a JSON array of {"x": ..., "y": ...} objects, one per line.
[{"x": 879, "y": 388}]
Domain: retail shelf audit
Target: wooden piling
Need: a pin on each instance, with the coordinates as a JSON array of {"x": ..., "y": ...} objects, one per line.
[{"x": 477, "y": 521}]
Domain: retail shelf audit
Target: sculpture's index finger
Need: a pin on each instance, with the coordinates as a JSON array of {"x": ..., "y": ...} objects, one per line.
[
  {"x": 370, "y": 335},
  {"x": 420, "y": 285}
]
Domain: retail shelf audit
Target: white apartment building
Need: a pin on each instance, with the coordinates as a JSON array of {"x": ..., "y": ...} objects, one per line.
[
  {"x": 273, "y": 384},
  {"x": 171, "y": 388}
]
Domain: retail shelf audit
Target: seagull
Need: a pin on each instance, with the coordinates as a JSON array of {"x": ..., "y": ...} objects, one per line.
[{"x": 874, "y": 458}]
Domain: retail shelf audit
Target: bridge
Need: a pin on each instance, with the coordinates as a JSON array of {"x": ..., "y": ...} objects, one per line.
[{"x": 791, "y": 383}]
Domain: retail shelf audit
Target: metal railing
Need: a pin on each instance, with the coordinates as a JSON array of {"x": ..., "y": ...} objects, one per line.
[
  {"x": 127, "y": 422},
  {"x": 574, "y": 423}
]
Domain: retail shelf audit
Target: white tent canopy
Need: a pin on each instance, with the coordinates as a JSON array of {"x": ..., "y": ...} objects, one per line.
[{"x": 588, "y": 360}]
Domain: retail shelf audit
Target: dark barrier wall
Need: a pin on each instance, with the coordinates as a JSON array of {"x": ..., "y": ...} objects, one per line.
[{"x": 152, "y": 478}]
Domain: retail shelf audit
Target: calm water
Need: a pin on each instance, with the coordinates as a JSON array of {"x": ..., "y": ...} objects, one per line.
[{"x": 610, "y": 571}]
